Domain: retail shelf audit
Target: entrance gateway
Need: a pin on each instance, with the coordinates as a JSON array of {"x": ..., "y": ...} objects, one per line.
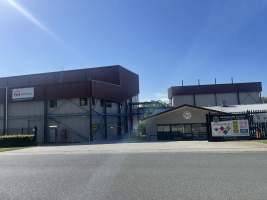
[{"x": 192, "y": 122}]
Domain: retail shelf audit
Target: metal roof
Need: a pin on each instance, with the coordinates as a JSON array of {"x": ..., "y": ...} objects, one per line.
[{"x": 240, "y": 108}]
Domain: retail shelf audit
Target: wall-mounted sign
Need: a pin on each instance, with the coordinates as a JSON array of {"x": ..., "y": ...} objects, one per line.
[
  {"x": 187, "y": 115},
  {"x": 230, "y": 128},
  {"x": 22, "y": 93}
]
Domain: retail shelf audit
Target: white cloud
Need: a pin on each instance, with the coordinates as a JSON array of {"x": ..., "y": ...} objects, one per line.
[{"x": 32, "y": 18}]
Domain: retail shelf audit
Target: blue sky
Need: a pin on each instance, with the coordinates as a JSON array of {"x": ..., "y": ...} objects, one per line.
[{"x": 164, "y": 41}]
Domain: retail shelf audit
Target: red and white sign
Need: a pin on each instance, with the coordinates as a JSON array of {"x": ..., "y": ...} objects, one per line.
[{"x": 22, "y": 93}]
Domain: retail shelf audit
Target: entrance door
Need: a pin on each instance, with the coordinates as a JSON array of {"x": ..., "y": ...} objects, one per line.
[
  {"x": 52, "y": 135},
  {"x": 164, "y": 132},
  {"x": 188, "y": 131},
  {"x": 178, "y": 131}
]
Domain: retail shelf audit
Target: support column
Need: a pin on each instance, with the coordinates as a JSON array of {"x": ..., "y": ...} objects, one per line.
[
  {"x": 45, "y": 122},
  {"x": 131, "y": 116},
  {"x": 90, "y": 120},
  {"x": 5, "y": 121},
  {"x": 238, "y": 98},
  {"x": 105, "y": 121},
  {"x": 119, "y": 120},
  {"x": 194, "y": 99},
  {"x": 216, "y": 100},
  {"x": 126, "y": 118}
]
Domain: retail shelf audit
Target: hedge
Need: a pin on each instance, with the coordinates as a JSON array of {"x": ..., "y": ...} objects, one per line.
[{"x": 17, "y": 140}]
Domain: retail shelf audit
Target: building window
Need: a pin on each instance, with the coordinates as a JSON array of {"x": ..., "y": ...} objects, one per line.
[
  {"x": 109, "y": 104},
  {"x": 199, "y": 128},
  {"x": 102, "y": 102},
  {"x": 164, "y": 128},
  {"x": 83, "y": 101},
  {"x": 53, "y": 103},
  {"x": 93, "y": 101}
]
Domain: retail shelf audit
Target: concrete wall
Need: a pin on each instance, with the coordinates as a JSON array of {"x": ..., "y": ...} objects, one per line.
[
  {"x": 24, "y": 116},
  {"x": 71, "y": 119},
  {"x": 183, "y": 99},
  {"x": 227, "y": 98},
  {"x": 205, "y": 100},
  {"x": 1, "y": 118},
  {"x": 220, "y": 99},
  {"x": 67, "y": 122},
  {"x": 250, "y": 98}
]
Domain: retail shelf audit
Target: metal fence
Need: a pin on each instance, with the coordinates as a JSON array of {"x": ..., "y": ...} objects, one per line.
[{"x": 257, "y": 121}]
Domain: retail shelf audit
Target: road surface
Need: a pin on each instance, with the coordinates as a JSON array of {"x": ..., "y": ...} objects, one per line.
[{"x": 100, "y": 172}]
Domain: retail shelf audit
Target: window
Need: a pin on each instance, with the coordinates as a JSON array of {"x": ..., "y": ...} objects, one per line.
[
  {"x": 102, "y": 102},
  {"x": 178, "y": 128},
  {"x": 162, "y": 128},
  {"x": 199, "y": 128},
  {"x": 93, "y": 101},
  {"x": 109, "y": 104},
  {"x": 83, "y": 101},
  {"x": 53, "y": 103}
]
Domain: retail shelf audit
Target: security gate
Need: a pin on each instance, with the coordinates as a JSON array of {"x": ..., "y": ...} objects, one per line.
[{"x": 257, "y": 124}]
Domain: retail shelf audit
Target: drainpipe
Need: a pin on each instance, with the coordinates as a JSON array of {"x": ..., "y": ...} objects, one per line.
[{"x": 6, "y": 112}]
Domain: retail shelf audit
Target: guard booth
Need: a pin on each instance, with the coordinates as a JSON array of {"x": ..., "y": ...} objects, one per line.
[{"x": 247, "y": 125}]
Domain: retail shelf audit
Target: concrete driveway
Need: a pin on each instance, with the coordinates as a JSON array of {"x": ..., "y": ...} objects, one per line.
[{"x": 148, "y": 147}]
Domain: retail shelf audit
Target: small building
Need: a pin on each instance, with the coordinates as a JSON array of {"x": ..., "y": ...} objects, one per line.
[
  {"x": 216, "y": 94},
  {"x": 72, "y": 106},
  {"x": 182, "y": 122},
  {"x": 194, "y": 122}
]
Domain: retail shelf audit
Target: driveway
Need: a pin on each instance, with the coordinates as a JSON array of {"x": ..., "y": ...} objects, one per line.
[{"x": 148, "y": 147}]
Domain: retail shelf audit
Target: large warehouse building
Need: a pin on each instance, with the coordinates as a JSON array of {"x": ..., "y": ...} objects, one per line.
[
  {"x": 216, "y": 94},
  {"x": 69, "y": 106}
]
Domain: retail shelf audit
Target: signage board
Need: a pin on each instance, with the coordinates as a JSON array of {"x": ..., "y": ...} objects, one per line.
[
  {"x": 231, "y": 128},
  {"x": 22, "y": 93}
]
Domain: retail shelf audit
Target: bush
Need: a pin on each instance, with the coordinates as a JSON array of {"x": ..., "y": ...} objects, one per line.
[
  {"x": 17, "y": 140},
  {"x": 141, "y": 128}
]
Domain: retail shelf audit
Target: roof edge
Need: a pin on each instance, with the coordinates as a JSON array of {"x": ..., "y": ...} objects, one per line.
[{"x": 178, "y": 107}]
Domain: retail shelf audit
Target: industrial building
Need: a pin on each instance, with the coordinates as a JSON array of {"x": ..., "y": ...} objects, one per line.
[
  {"x": 194, "y": 122},
  {"x": 216, "y": 94},
  {"x": 201, "y": 111},
  {"x": 82, "y": 105}
]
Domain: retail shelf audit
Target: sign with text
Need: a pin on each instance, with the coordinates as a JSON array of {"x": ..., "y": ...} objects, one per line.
[
  {"x": 233, "y": 128},
  {"x": 22, "y": 93}
]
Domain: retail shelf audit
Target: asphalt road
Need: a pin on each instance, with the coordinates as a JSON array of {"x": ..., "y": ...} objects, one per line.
[{"x": 123, "y": 176}]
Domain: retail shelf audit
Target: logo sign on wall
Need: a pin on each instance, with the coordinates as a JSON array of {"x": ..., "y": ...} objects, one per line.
[
  {"x": 230, "y": 128},
  {"x": 187, "y": 115},
  {"x": 22, "y": 93}
]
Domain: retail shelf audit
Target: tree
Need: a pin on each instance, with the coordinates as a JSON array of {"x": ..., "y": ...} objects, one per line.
[{"x": 264, "y": 99}]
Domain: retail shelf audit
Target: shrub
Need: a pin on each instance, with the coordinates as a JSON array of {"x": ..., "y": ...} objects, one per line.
[
  {"x": 141, "y": 128},
  {"x": 17, "y": 140}
]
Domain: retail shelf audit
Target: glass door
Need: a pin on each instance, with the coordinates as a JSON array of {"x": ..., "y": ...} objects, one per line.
[
  {"x": 188, "y": 130},
  {"x": 178, "y": 131}
]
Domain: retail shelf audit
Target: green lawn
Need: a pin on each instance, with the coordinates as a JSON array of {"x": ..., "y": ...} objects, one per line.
[
  {"x": 3, "y": 149},
  {"x": 263, "y": 141}
]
